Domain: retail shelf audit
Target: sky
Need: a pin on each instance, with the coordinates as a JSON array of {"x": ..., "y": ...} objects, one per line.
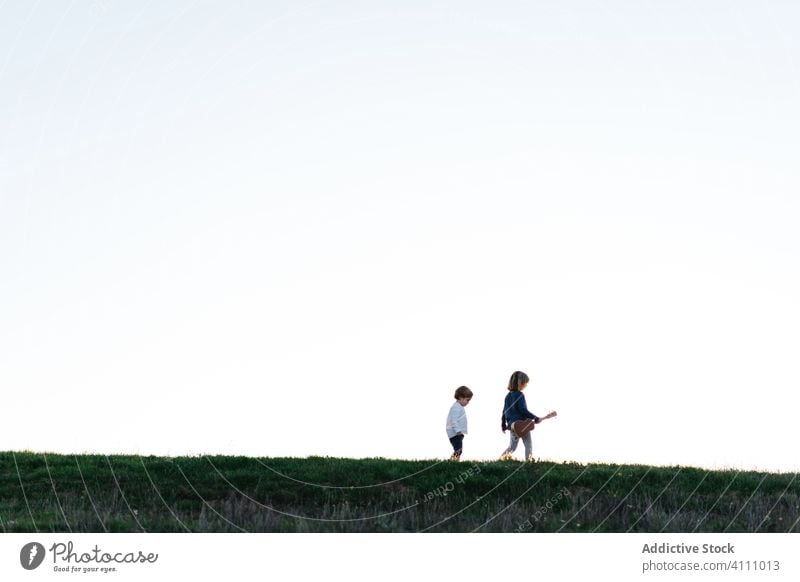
[{"x": 221, "y": 223}]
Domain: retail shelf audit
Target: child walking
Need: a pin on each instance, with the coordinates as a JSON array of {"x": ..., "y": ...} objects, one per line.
[
  {"x": 457, "y": 421},
  {"x": 514, "y": 409}
]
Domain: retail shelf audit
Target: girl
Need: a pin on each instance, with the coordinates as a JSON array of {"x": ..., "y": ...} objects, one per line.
[{"x": 515, "y": 409}]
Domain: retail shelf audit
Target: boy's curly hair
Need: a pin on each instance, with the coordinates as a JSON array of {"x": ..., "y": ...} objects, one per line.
[{"x": 463, "y": 392}]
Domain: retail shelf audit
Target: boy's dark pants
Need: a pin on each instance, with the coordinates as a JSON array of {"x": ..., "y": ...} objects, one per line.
[{"x": 458, "y": 443}]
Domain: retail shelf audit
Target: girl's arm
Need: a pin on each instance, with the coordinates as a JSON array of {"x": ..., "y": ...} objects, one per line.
[
  {"x": 523, "y": 409},
  {"x": 550, "y": 414}
]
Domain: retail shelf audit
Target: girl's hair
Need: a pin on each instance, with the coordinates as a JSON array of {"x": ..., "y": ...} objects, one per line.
[
  {"x": 517, "y": 380},
  {"x": 463, "y": 392}
]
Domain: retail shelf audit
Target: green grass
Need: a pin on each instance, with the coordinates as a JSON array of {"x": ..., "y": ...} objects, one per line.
[{"x": 94, "y": 493}]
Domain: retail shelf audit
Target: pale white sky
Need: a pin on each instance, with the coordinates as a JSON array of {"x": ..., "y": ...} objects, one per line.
[{"x": 222, "y": 221}]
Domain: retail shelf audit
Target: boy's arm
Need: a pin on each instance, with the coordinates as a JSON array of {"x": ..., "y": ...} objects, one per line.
[{"x": 461, "y": 421}]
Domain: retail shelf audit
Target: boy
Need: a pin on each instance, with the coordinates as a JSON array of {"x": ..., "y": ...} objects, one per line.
[{"x": 457, "y": 421}]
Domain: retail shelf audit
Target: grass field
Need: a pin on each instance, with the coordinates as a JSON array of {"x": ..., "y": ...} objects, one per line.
[{"x": 96, "y": 493}]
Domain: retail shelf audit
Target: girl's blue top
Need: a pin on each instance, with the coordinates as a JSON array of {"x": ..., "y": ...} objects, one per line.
[{"x": 515, "y": 409}]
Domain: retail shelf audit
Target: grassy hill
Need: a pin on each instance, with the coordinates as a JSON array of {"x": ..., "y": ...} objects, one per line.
[{"x": 97, "y": 493}]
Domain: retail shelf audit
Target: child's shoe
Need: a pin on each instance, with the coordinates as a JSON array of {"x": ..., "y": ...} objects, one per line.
[
  {"x": 455, "y": 457},
  {"x": 506, "y": 456}
]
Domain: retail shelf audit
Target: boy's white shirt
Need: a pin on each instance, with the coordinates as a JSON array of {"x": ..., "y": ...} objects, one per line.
[{"x": 456, "y": 420}]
